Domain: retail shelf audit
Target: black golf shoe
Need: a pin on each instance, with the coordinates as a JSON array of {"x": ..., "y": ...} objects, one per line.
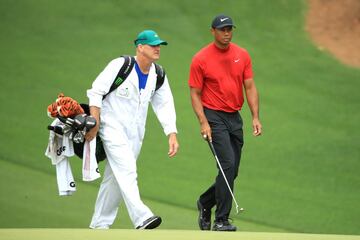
[
  {"x": 150, "y": 223},
  {"x": 223, "y": 225},
  {"x": 204, "y": 219}
]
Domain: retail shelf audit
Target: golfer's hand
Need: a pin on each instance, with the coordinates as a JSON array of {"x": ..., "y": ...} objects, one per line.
[
  {"x": 173, "y": 145},
  {"x": 91, "y": 134},
  {"x": 256, "y": 127},
  {"x": 206, "y": 131}
]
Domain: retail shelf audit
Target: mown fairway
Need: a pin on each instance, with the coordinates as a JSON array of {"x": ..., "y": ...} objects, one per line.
[
  {"x": 86, "y": 234},
  {"x": 302, "y": 175}
]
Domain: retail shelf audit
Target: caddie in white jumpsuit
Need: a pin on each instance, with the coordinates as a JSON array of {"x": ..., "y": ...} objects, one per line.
[{"x": 122, "y": 117}]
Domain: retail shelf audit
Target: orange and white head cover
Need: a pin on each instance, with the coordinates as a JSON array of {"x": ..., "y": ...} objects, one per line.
[{"x": 64, "y": 107}]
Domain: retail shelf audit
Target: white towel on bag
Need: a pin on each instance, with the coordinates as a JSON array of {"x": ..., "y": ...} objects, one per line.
[
  {"x": 59, "y": 149},
  {"x": 90, "y": 168},
  {"x": 65, "y": 179},
  {"x": 59, "y": 146}
]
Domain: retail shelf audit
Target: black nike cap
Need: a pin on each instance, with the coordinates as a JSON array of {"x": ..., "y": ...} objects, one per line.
[{"x": 221, "y": 21}]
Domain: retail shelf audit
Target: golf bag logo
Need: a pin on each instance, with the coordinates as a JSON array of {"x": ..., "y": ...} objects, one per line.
[{"x": 60, "y": 150}]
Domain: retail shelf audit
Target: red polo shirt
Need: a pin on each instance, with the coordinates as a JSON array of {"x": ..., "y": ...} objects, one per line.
[{"x": 220, "y": 75}]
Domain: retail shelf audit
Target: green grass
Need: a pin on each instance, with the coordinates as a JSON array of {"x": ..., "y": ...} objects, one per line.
[
  {"x": 79, "y": 234},
  {"x": 300, "y": 176},
  {"x": 33, "y": 208}
]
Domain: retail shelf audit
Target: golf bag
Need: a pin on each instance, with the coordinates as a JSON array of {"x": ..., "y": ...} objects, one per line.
[{"x": 75, "y": 127}]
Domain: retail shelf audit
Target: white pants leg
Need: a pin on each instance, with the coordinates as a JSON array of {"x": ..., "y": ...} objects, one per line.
[
  {"x": 122, "y": 161},
  {"x": 107, "y": 202}
]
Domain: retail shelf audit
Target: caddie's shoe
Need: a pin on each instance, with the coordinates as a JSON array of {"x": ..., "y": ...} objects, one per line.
[
  {"x": 150, "y": 223},
  {"x": 223, "y": 225},
  {"x": 204, "y": 219}
]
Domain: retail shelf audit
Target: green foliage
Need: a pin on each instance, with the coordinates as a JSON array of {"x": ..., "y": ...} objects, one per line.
[{"x": 301, "y": 175}]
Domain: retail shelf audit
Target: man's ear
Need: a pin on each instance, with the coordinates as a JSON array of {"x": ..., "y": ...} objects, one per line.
[{"x": 140, "y": 47}]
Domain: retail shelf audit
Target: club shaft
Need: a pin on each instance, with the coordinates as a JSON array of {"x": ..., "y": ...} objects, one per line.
[{"x": 222, "y": 171}]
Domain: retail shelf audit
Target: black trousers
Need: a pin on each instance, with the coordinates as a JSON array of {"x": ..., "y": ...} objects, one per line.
[{"x": 227, "y": 137}]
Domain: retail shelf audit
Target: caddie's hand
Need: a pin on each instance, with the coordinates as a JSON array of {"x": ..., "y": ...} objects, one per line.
[
  {"x": 91, "y": 134},
  {"x": 206, "y": 131},
  {"x": 173, "y": 145},
  {"x": 256, "y": 127}
]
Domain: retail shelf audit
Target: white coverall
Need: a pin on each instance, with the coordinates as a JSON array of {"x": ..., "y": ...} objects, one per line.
[{"x": 122, "y": 127}]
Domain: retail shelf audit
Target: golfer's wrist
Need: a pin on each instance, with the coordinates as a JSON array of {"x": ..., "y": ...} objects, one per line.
[{"x": 203, "y": 121}]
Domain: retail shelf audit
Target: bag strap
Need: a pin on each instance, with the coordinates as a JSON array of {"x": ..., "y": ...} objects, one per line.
[
  {"x": 160, "y": 72},
  {"x": 126, "y": 69},
  {"x": 123, "y": 73}
]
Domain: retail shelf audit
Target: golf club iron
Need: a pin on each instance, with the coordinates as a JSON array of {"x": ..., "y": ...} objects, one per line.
[{"x": 222, "y": 171}]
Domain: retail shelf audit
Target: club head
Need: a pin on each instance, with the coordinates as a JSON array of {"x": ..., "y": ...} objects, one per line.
[
  {"x": 57, "y": 129},
  {"x": 78, "y": 137},
  {"x": 66, "y": 120},
  {"x": 90, "y": 122},
  {"x": 67, "y": 129},
  {"x": 79, "y": 121}
]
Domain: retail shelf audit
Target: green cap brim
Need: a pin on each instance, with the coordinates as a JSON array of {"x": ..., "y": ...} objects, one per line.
[{"x": 157, "y": 42}]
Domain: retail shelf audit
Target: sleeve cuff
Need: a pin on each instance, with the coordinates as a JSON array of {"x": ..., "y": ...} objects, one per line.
[
  {"x": 169, "y": 130},
  {"x": 95, "y": 100}
]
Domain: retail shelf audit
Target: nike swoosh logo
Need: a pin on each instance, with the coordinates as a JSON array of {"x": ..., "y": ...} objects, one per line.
[
  {"x": 236, "y": 60},
  {"x": 223, "y": 19}
]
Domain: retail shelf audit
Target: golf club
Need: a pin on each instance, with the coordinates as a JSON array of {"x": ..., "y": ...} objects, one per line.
[
  {"x": 222, "y": 171},
  {"x": 57, "y": 129}
]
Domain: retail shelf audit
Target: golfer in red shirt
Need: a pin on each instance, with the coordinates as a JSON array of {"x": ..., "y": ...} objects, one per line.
[{"x": 218, "y": 75}]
